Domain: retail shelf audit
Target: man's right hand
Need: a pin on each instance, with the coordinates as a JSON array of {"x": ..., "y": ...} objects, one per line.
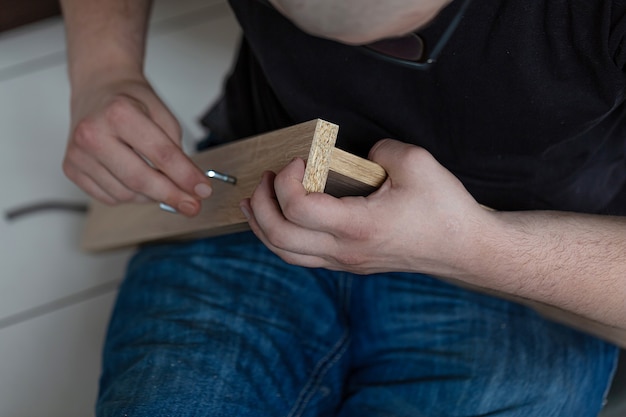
[{"x": 118, "y": 125}]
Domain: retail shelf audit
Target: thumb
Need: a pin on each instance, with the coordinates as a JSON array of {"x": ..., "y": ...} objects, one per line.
[{"x": 289, "y": 179}]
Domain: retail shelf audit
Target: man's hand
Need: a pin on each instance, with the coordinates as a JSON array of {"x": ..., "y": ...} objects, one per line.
[
  {"x": 118, "y": 123},
  {"x": 116, "y": 126},
  {"x": 417, "y": 221},
  {"x": 423, "y": 220}
]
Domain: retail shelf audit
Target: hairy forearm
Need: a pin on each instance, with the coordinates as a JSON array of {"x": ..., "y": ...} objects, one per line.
[
  {"x": 359, "y": 21},
  {"x": 573, "y": 261},
  {"x": 104, "y": 36}
]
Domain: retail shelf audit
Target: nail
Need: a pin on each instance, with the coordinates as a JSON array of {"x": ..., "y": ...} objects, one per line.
[
  {"x": 203, "y": 190},
  {"x": 245, "y": 211}
]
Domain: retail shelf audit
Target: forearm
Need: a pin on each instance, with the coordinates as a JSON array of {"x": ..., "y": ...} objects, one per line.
[
  {"x": 573, "y": 261},
  {"x": 104, "y": 37},
  {"x": 359, "y": 21}
]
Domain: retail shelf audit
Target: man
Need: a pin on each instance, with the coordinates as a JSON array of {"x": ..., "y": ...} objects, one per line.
[{"x": 516, "y": 106}]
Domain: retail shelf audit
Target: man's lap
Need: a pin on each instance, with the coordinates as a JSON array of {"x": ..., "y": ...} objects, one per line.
[{"x": 222, "y": 327}]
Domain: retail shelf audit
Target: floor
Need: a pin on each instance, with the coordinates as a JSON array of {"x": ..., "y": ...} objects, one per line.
[{"x": 54, "y": 299}]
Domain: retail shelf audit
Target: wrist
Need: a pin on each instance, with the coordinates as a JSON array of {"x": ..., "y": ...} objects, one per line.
[
  {"x": 92, "y": 83},
  {"x": 104, "y": 68},
  {"x": 474, "y": 242}
]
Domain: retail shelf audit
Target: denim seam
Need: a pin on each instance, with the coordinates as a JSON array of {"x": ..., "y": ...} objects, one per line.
[
  {"x": 609, "y": 383},
  {"x": 323, "y": 366}
]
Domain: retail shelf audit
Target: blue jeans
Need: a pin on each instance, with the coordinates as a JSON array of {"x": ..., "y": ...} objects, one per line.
[{"x": 222, "y": 327}]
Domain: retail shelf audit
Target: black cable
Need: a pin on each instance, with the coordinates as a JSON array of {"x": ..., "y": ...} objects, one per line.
[{"x": 50, "y": 205}]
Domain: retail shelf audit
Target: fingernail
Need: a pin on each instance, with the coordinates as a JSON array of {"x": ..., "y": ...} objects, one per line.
[
  {"x": 245, "y": 211},
  {"x": 203, "y": 190},
  {"x": 187, "y": 208}
]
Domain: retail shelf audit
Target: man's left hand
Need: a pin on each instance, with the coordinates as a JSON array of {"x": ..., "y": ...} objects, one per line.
[{"x": 420, "y": 220}]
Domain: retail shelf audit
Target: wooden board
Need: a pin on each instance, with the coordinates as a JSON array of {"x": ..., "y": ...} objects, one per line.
[{"x": 327, "y": 167}]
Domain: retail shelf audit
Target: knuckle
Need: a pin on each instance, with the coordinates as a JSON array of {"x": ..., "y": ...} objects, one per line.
[
  {"x": 163, "y": 155},
  {"x": 118, "y": 111},
  {"x": 294, "y": 209},
  {"x": 86, "y": 135},
  {"x": 277, "y": 238},
  {"x": 359, "y": 227},
  {"x": 289, "y": 258},
  {"x": 415, "y": 155},
  {"x": 351, "y": 258},
  {"x": 357, "y": 232}
]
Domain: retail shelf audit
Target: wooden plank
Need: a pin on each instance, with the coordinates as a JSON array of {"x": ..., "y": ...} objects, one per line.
[{"x": 131, "y": 224}]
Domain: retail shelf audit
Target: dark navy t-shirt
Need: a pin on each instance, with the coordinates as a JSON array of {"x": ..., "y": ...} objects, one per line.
[{"x": 525, "y": 104}]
